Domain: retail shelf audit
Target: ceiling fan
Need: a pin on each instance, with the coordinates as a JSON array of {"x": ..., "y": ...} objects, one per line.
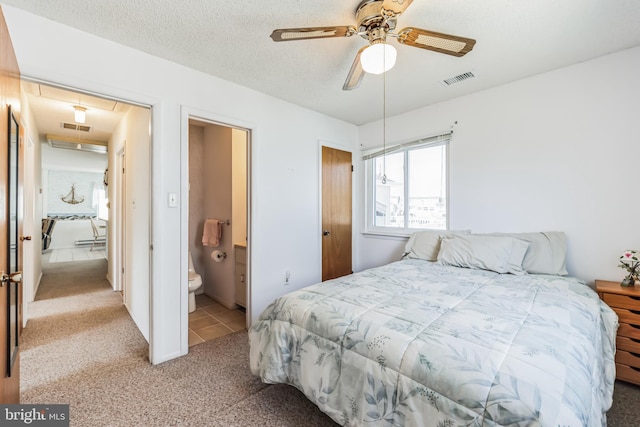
[{"x": 376, "y": 20}]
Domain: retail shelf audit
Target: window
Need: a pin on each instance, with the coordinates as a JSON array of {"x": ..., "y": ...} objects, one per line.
[{"x": 414, "y": 195}]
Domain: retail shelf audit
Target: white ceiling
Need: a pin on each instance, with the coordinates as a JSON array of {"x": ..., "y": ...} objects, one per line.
[
  {"x": 52, "y": 109},
  {"x": 230, "y": 39}
]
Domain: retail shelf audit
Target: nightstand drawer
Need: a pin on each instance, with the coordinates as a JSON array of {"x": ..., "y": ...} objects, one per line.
[
  {"x": 627, "y": 373},
  {"x": 628, "y": 316},
  {"x": 631, "y": 331},
  {"x": 627, "y": 344},
  {"x": 621, "y": 301},
  {"x": 629, "y": 359}
]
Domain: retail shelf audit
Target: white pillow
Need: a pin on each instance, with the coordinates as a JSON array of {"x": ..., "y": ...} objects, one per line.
[
  {"x": 494, "y": 253},
  {"x": 547, "y": 253},
  {"x": 426, "y": 244}
]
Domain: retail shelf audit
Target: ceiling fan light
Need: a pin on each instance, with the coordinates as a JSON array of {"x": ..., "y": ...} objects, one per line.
[
  {"x": 378, "y": 58},
  {"x": 79, "y": 114}
]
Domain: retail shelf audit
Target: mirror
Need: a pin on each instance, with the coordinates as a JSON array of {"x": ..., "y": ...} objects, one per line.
[{"x": 12, "y": 253}]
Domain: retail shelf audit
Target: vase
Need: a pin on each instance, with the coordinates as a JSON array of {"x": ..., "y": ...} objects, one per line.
[{"x": 628, "y": 281}]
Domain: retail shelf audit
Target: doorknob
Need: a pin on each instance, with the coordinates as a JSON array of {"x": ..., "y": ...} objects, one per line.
[
  {"x": 14, "y": 277},
  {"x": 326, "y": 232},
  {"x": 23, "y": 238}
]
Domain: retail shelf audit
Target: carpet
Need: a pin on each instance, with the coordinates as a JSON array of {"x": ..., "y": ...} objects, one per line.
[{"x": 81, "y": 348}]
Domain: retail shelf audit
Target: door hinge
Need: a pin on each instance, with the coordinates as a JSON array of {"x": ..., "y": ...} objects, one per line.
[{"x": 351, "y": 168}]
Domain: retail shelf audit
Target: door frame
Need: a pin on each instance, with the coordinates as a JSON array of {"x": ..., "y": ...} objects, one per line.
[
  {"x": 119, "y": 223},
  {"x": 152, "y": 104},
  {"x": 336, "y": 146},
  {"x": 29, "y": 280},
  {"x": 190, "y": 113}
]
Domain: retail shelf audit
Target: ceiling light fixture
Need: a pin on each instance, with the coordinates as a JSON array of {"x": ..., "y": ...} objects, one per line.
[
  {"x": 378, "y": 58},
  {"x": 80, "y": 114}
]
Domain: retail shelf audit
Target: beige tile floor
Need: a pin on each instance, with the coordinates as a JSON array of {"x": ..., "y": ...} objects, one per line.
[{"x": 212, "y": 320}]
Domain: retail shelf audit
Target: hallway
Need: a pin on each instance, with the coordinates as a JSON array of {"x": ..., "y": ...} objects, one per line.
[{"x": 76, "y": 323}]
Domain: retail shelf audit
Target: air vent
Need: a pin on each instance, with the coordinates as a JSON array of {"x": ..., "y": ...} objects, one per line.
[
  {"x": 458, "y": 78},
  {"x": 74, "y": 126}
]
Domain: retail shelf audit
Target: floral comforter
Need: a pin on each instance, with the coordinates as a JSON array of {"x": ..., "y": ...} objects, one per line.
[{"x": 414, "y": 343}]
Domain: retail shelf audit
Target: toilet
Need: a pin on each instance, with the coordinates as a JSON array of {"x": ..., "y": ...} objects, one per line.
[{"x": 195, "y": 281}]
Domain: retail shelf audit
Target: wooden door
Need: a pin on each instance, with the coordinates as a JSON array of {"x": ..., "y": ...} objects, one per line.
[
  {"x": 336, "y": 213},
  {"x": 9, "y": 107}
]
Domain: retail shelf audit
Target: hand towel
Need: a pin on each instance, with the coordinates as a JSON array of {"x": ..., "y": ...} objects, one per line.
[{"x": 212, "y": 233}]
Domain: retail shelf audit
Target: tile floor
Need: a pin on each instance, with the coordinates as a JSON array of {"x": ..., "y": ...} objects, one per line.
[
  {"x": 212, "y": 320},
  {"x": 83, "y": 253}
]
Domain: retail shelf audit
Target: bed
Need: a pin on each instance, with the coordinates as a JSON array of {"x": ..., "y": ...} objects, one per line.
[{"x": 436, "y": 340}]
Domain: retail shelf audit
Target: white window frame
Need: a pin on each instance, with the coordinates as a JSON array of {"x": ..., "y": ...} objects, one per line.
[{"x": 369, "y": 209}]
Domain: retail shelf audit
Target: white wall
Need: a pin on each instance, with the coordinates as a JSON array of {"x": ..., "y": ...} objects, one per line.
[
  {"x": 132, "y": 135},
  {"x": 75, "y": 160},
  {"x": 32, "y": 258},
  {"x": 558, "y": 151},
  {"x": 217, "y": 202},
  {"x": 284, "y": 176}
]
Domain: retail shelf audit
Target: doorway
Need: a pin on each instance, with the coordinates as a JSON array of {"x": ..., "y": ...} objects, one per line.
[
  {"x": 218, "y": 199},
  {"x": 77, "y": 157},
  {"x": 121, "y": 225}
]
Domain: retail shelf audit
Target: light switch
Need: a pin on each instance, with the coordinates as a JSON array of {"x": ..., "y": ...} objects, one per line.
[{"x": 173, "y": 200}]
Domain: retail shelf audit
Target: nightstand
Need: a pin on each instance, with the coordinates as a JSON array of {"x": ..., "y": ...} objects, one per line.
[{"x": 626, "y": 303}]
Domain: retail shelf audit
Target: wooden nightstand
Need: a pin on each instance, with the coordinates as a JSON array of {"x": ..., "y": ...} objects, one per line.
[{"x": 626, "y": 303}]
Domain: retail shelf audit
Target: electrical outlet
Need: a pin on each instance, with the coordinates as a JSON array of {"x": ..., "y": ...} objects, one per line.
[{"x": 287, "y": 276}]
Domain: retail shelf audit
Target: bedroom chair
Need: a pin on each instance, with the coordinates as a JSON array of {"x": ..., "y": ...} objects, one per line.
[{"x": 96, "y": 235}]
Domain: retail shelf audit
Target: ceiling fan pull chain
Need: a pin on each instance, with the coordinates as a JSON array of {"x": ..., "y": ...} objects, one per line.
[{"x": 384, "y": 122}]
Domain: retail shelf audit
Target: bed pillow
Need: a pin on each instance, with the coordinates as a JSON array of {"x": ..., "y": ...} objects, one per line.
[
  {"x": 426, "y": 244},
  {"x": 494, "y": 253},
  {"x": 547, "y": 252}
]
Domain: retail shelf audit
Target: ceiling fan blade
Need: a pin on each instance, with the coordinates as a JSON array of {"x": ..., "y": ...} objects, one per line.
[
  {"x": 287, "y": 34},
  {"x": 396, "y": 6},
  {"x": 438, "y": 42},
  {"x": 356, "y": 73}
]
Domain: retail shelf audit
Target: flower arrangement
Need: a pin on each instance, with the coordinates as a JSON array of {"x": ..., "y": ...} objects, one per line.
[{"x": 630, "y": 261}]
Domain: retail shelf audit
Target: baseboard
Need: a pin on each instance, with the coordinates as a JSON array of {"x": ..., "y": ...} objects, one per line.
[{"x": 231, "y": 305}]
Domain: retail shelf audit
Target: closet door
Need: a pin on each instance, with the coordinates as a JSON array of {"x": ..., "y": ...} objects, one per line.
[{"x": 336, "y": 213}]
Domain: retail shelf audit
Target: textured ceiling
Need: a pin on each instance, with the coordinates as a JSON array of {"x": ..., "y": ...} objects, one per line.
[{"x": 230, "y": 39}]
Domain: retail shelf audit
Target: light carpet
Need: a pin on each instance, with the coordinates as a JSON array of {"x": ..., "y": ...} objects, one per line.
[{"x": 81, "y": 348}]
